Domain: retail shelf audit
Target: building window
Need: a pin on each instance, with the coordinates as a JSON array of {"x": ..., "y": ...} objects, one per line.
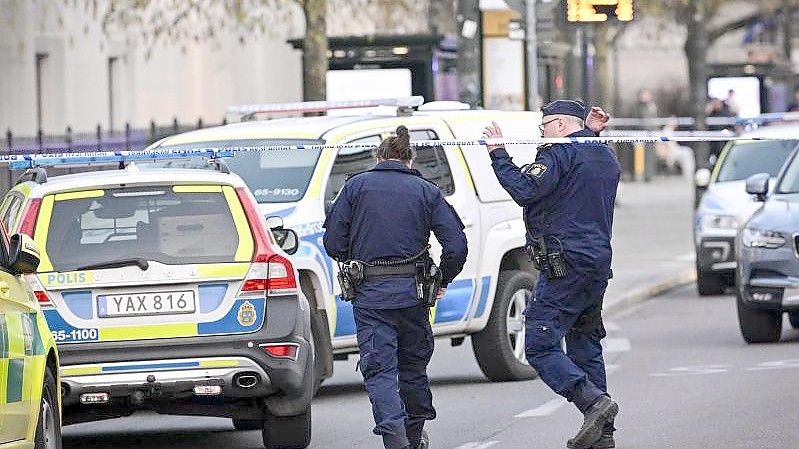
[
  {"x": 41, "y": 96},
  {"x": 113, "y": 93}
]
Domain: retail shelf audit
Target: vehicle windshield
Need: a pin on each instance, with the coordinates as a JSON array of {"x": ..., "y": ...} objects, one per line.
[
  {"x": 790, "y": 180},
  {"x": 750, "y": 157},
  {"x": 167, "y": 224},
  {"x": 273, "y": 176}
]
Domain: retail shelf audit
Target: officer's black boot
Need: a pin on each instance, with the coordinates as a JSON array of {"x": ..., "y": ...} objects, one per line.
[
  {"x": 596, "y": 417},
  {"x": 606, "y": 441}
]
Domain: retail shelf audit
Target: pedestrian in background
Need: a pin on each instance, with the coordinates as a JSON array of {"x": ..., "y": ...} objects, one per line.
[
  {"x": 385, "y": 216},
  {"x": 568, "y": 196}
]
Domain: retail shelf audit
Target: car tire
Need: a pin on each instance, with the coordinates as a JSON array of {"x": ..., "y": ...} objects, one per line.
[
  {"x": 710, "y": 284},
  {"x": 793, "y": 317},
  {"x": 248, "y": 424},
  {"x": 499, "y": 350},
  {"x": 287, "y": 432},
  {"x": 758, "y": 326},
  {"x": 48, "y": 428},
  {"x": 323, "y": 349}
]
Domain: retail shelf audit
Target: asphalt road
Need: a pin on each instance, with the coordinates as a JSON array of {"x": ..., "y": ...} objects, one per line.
[{"x": 683, "y": 376}]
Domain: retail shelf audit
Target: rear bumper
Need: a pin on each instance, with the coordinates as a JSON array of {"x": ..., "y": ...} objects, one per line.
[{"x": 162, "y": 373}]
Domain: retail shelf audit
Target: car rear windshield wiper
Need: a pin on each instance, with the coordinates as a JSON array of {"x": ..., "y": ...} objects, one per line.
[{"x": 138, "y": 261}]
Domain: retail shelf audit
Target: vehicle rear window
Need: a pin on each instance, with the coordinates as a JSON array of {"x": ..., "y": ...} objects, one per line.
[
  {"x": 275, "y": 176},
  {"x": 155, "y": 224},
  {"x": 747, "y": 158}
]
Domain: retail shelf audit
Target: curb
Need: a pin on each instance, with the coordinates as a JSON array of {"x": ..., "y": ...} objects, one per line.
[{"x": 650, "y": 291}]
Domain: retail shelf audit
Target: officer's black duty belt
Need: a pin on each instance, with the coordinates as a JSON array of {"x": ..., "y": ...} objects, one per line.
[{"x": 405, "y": 270}]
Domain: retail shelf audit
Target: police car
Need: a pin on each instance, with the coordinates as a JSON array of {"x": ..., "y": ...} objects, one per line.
[
  {"x": 30, "y": 407},
  {"x": 724, "y": 206},
  {"x": 488, "y": 298},
  {"x": 165, "y": 290}
]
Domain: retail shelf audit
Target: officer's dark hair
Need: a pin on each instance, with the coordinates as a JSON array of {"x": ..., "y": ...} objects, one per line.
[{"x": 397, "y": 147}]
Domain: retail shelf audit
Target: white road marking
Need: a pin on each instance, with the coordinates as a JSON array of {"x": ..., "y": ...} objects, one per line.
[
  {"x": 610, "y": 368},
  {"x": 616, "y": 345},
  {"x": 543, "y": 410},
  {"x": 694, "y": 370},
  {"x": 478, "y": 445},
  {"x": 689, "y": 257},
  {"x": 611, "y": 326},
  {"x": 778, "y": 364}
]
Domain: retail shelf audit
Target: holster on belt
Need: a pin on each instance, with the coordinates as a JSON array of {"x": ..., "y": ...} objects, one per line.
[{"x": 552, "y": 263}]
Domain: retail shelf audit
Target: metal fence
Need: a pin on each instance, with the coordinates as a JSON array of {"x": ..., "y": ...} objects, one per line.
[{"x": 128, "y": 139}]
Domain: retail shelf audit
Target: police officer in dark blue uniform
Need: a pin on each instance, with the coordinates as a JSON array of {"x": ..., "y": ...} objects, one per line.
[
  {"x": 568, "y": 196},
  {"x": 382, "y": 219}
]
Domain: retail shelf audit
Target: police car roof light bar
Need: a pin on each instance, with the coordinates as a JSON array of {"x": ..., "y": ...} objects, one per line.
[
  {"x": 66, "y": 159},
  {"x": 248, "y": 111}
]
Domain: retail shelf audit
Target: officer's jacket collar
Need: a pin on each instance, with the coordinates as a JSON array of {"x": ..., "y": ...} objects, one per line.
[
  {"x": 395, "y": 166},
  {"x": 585, "y": 132}
]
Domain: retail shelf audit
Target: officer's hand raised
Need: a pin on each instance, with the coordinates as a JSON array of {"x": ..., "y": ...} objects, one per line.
[
  {"x": 492, "y": 131},
  {"x": 597, "y": 120}
]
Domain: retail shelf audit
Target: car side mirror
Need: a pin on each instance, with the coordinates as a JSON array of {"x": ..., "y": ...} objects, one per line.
[
  {"x": 286, "y": 238},
  {"x": 23, "y": 254},
  {"x": 758, "y": 185},
  {"x": 702, "y": 178}
]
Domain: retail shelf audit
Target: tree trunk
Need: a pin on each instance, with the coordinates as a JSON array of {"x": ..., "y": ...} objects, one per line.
[
  {"x": 315, "y": 47},
  {"x": 696, "y": 47},
  {"x": 469, "y": 63},
  {"x": 601, "y": 65}
]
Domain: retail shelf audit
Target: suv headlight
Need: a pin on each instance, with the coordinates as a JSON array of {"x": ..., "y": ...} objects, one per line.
[
  {"x": 753, "y": 238},
  {"x": 716, "y": 221}
]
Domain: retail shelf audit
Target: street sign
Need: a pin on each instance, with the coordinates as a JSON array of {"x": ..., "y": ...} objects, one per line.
[{"x": 599, "y": 10}]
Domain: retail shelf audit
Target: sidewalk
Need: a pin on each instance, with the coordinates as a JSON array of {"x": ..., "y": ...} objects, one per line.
[{"x": 652, "y": 241}]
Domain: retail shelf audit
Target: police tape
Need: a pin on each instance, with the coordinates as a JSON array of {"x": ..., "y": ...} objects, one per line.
[{"x": 21, "y": 160}]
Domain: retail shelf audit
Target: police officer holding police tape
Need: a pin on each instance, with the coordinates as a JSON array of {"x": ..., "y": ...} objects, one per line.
[
  {"x": 378, "y": 230},
  {"x": 568, "y": 196}
]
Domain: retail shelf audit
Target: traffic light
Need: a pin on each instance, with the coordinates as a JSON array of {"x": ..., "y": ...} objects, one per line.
[{"x": 599, "y": 10}]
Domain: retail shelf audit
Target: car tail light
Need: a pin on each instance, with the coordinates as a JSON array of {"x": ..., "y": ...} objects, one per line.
[
  {"x": 269, "y": 273},
  {"x": 28, "y": 224},
  {"x": 281, "y": 350},
  {"x": 38, "y": 290}
]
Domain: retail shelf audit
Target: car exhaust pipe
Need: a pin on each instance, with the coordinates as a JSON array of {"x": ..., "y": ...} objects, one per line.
[{"x": 246, "y": 380}]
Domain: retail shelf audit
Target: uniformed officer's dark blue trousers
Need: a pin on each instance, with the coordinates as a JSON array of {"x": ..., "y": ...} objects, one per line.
[
  {"x": 568, "y": 307},
  {"x": 395, "y": 347}
]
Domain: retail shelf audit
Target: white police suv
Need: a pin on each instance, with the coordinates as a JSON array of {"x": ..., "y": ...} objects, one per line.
[{"x": 485, "y": 302}]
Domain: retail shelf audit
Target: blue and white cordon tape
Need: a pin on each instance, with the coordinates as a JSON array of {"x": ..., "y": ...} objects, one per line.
[{"x": 28, "y": 160}]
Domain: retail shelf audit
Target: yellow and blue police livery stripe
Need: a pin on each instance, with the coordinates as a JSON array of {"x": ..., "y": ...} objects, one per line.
[
  {"x": 246, "y": 315},
  {"x": 481, "y": 304},
  {"x": 133, "y": 367},
  {"x": 454, "y": 306}
]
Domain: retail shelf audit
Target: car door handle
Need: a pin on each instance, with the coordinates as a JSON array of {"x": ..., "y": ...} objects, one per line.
[{"x": 5, "y": 291}]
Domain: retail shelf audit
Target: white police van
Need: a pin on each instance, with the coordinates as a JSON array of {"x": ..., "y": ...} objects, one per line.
[{"x": 486, "y": 301}]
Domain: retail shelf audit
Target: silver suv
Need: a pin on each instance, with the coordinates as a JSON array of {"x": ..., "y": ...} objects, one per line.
[
  {"x": 768, "y": 255},
  {"x": 724, "y": 205}
]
